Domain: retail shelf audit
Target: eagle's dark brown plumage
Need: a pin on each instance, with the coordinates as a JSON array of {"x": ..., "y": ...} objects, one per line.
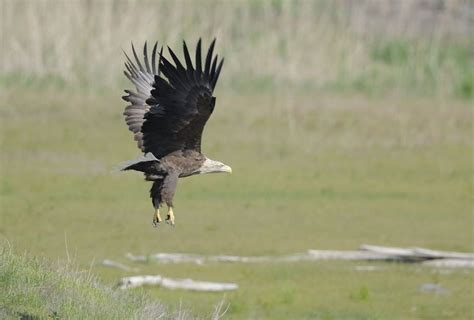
[{"x": 167, "y": 114}]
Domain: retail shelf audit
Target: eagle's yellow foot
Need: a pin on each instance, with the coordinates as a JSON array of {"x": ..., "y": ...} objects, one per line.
[
  {"x": 157, "y": 218},
  {"x": 170, "y": 218}
]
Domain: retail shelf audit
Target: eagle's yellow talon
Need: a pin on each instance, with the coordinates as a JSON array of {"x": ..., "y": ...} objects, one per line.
[
  {"x": 157, "y": 218},
  {"x": 170, "y": 218}
]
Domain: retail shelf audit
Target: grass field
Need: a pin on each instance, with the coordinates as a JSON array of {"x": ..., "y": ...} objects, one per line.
[
  {"x": 409, "y": 47},
  {"x": 34, "y": 289},
  {"x": 325, "y": 173},
  {"x": 344, "y": 124}
]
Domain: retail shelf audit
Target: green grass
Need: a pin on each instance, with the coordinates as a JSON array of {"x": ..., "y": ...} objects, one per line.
[
  {"x": 311, "y": 171},
  {"x": 342, "y": 126},
  {"x": 33, "y": 289}
]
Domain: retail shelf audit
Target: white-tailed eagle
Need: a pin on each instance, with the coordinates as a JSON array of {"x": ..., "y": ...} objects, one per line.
[{"x": 167, "y": 113}]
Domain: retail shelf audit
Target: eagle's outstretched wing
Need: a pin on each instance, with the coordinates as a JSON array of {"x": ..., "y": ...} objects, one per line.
[
  {"x": 181, "y": 104},
  {"x": 143, "y": 79}
]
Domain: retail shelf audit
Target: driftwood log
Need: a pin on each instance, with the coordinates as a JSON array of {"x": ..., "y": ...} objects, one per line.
[
  {"x": 186, "y": 284},
  {"x": 311, "y": 255},
  {"x": 417, "y": 253},
  {"x": 433, "y": 258},
  {"x": 426, "y": 257},
  {"x": 449, "y": 263},
  {"x": 117, "y": 265}
]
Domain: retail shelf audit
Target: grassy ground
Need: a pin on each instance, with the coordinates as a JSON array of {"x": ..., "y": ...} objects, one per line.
[
  {"x": 344, "y": 124},
  {"x": 311, "y": 170},
  {"x": 32, "y": 289}
]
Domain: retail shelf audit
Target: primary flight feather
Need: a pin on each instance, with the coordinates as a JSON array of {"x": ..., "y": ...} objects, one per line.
[{"x": 167, "y": 113}]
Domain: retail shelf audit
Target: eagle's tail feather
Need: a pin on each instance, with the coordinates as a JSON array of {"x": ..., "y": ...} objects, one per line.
[{"x": 138, "y": 163}]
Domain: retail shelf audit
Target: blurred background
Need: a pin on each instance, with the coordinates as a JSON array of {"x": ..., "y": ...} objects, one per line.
[{"x": 345, "y": 122}]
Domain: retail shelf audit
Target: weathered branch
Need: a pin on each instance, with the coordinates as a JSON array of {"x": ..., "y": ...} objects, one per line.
[
  {"x": 366, "y": 253},
  {"x": 415, "y": 252},
  {"x": 118, "y": 265},
  {"x": 185, "y": 284},
  {"x": 348, "y": 255},
  {"x": 449, "y": 263}
]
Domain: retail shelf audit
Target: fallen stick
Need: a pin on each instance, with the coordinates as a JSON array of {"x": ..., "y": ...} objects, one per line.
[
  {"x": 193, "y": 258},
  {"x": 118, "y": 265},
  {"x": 366, "y": 253},
  {"x": 416, "y": 254},
  {"x": 449, "y": 263},
  {"x": 400, "y": 253},
  {"x": 443, "y": 254},
  {"x": 310, "y": 255},
  {"x": 136, "y": 258},
  {"x": 348, "y": 255},
  {"x": 138, "y": 281},
  {"x": 185, "y": 284},
  {"x": 189, "y": 284}
]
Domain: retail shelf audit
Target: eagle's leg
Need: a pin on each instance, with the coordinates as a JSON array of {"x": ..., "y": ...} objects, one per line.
[
  {"x": 167, "y": 193},
  {"x": 157, "y": 217},
  {"x": 170, "y": 217}
]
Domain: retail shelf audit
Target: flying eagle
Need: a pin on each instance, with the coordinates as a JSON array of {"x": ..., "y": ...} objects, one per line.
[{"x": 167, "y": 114}]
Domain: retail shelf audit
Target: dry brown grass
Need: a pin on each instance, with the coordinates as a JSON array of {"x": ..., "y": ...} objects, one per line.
[{"x": 305, "y": 43}]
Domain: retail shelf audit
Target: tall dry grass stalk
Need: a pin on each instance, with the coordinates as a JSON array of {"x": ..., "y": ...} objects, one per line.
[{"x": 309, "y": 43}]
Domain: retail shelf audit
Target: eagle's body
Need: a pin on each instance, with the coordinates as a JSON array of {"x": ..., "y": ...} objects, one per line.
[{"x": 167, "y": 116}]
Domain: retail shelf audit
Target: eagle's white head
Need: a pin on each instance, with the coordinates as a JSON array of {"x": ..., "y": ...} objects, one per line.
[{"x": 212, "y": 166}]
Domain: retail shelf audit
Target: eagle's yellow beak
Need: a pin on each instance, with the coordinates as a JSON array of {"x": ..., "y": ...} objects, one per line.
[{"x": 226, "y": 169}]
